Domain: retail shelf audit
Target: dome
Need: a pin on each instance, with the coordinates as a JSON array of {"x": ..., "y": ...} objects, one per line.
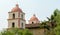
[
  {"x": 34, "y": 18},
  {"x": 16, "y": 9}
]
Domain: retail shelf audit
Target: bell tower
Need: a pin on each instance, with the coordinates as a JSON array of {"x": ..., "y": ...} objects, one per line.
[{"x": 16, "y": 18}]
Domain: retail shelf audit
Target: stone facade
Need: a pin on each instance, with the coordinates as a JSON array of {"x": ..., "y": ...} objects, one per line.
[{"x": 37, "y": 31}]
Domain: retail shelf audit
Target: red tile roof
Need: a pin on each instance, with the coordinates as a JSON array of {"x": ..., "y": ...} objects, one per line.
[
  {"x": 32, "y": 25},
  {"x": 16, "y": 9},
  {"x": 34, "y": 18}
]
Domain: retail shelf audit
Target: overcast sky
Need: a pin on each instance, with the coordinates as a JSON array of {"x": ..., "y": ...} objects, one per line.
[{"x": 41, "y": 8}]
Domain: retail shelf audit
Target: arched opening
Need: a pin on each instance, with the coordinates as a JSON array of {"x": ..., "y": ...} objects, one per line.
[
  {"x": 32, "y": 22},
  {"x": 22, "y": 16},
  {"x": 13, "y": 24},
  {"x": 22, "y": 25},
  {"x": 13, "y": 16}
]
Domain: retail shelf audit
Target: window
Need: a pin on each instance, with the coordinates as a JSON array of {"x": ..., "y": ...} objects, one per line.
[
  {"x": 32, "y": 22},
  {"x": 22, "y": 16},
  {"x": 22, "y": 25},
  {"x": 13, "y": 16},
  {"x": 13, "y": 24}
]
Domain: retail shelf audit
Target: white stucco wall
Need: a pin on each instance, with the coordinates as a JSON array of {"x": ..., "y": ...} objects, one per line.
[
  {"x": 11, "y": 20},
  {"x": 21, "y": 21},
  {"x": 23, "y": 15}
]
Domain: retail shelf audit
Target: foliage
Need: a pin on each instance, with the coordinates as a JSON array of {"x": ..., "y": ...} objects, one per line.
[
  {"x": 16, "y": 31},
  {"x": 55, "y": 22},
  {"x": 57, "y": 18},
  {"x": 53, "y": 18},
  {"x": 44, "y": 25}
]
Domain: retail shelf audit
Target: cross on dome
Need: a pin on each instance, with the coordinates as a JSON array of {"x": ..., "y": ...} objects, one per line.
[
  {"x": 17, "y": 5},
  {"x": 34, "y": 15}
]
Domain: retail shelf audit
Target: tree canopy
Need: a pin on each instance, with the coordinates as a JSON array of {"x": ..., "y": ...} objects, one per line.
[
  {"x": 55, "y": 21},
  {"x": 16, "y": 32}
]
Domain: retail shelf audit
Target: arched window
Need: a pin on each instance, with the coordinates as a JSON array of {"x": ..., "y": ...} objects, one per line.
[
  {"x": 22, "y": 16},
  {"x": 13, "y": 16},
  {"x": 22, "y": 25},
  {"x": 13, "y": 24},
  {"x": 32, "y": 22}
]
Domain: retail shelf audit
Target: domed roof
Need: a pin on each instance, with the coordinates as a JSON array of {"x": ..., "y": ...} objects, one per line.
[
  {"x": 16, "y": 9},
  {"x": 34, "y": 18}
]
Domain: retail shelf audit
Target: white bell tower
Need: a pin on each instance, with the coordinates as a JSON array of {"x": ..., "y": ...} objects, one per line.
[{"x": 16, "y": 18}]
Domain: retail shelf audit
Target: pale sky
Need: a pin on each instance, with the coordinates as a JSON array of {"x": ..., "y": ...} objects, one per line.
[{"x": 42, "y": 9}]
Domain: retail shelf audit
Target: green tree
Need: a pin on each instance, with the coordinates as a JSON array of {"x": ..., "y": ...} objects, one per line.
[
  {"x": 57, "y": 18},
  {"x": 55, "y": 21},
  {"x": 16, "y": 31}
]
